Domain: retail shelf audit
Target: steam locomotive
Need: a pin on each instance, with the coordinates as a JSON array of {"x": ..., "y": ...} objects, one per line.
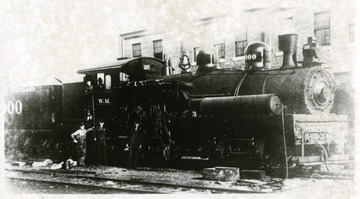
[{"x": 254, "y": 117}]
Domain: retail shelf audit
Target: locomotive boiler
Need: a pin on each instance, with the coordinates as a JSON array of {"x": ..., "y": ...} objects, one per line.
[{"x": 257, "y": 115}]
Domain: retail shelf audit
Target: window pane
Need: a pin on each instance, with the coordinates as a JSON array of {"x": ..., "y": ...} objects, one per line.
[
  {"x": 222, "y": 50},
  {"x": 240, "y": 47},
  {"x": 158, "y": 49},
  {"x": 136, "y": 50},
  {"x": 158, "y": 46},
  {"x": 100, "y": 81},
  {"x": 123, "y": 77},
  {"x": 107, "y": 82},
  {"x": 240, "y": 44},
  {"x": 322, "y": 27}
]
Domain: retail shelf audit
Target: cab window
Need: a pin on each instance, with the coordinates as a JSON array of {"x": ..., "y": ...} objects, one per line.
[
  {"x": 100, "y": 81},
  {"x": 107, "y": 82},
  {"x": 123, "y": 77}
]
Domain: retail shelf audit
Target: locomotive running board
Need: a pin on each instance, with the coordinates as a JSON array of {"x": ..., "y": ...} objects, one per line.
[{"x": 193, "y": 158}]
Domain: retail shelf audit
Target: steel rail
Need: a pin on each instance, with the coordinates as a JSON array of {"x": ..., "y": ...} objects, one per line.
[
  {"x": 139, "y": 182},
  {"x": 84, "y": 185}
]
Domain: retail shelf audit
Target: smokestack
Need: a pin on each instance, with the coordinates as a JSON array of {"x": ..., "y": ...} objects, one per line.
[{"x": 288, "y": 44}]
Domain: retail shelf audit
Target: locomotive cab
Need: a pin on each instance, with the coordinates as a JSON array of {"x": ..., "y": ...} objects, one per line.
[{"x": 109, "y": 91}]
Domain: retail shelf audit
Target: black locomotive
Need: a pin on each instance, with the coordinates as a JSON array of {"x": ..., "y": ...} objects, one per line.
[
  {"x": 251, "y": 117},
  {"x": 222, "y": 114}
]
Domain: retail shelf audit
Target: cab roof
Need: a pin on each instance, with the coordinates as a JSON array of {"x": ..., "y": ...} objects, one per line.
[{"x": 118, "y": 65}]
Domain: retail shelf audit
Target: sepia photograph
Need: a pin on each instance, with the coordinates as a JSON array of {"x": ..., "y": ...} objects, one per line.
[{"x": 236, "y": 98}]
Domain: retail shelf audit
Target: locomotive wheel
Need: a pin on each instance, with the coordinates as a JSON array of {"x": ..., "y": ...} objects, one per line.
[
  {"x": 264, "y": 157},
  {"x": 224, "y": 153},
  {"x": 221, "y": 151},
  {"x": 263, "y": 160}
]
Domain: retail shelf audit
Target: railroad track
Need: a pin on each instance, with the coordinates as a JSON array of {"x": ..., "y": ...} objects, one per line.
[
  {"x": 90, "y": 179},
  {"x": 87, "y": 185}
]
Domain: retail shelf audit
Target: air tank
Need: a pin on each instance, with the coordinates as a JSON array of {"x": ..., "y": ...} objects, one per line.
[{"x": 264, "y": 104}]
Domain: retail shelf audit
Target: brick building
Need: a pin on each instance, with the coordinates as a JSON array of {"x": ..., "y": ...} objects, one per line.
[{"x": 227, "y": 36}]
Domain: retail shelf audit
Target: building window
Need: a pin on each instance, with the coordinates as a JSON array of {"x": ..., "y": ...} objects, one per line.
[
  {"x": 196, "y": 52},
  {"x": 137, "y": 50},
  {"x": 240, "y": 48},
  {"x": 322, "y": 27},
  {"x": 240, "y": 44},
  {"x": 351, "y": 32},
  {"x": 221, "y": 50},
  {"x": 158, "y": 49}
]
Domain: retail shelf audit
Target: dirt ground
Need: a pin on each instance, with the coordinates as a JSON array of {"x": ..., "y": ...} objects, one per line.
[{"x": 317, "y": 186}]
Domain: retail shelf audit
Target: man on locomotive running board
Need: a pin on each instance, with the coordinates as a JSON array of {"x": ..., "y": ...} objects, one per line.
[
  {"x": 309, "y": 52},
  {"x": 79, "y": 138}
]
